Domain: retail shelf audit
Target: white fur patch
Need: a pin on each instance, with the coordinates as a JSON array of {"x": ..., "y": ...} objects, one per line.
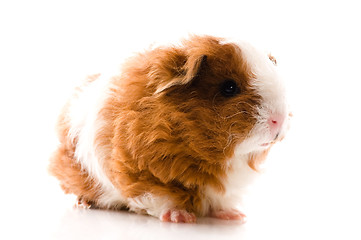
[
  {"x": 85, "y": 123},
  {"x": 152, "y": 205},
  {"x": 269, "y": 85},
  {"x": 239, "y": 177}
]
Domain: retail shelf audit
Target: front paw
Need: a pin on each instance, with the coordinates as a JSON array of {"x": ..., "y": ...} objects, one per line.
[
  {"x": 231, "y": 214},
  {"x": 178, "y": 216}
]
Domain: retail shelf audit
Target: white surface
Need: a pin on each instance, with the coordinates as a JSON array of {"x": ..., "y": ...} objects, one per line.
[{"x": 311, "y": 189}]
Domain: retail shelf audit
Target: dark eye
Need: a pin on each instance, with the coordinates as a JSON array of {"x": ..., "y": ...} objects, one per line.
[{"x": 229, "y": 88}]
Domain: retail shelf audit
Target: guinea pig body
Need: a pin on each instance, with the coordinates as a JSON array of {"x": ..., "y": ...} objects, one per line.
[{"x": 178, "y": 134}]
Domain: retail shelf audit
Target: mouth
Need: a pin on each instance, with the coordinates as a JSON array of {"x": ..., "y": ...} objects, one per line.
[
  {"x": 272, "y": 142},
  {"x": 268, "y": 143},
  {"x": 278, "y": 134}
]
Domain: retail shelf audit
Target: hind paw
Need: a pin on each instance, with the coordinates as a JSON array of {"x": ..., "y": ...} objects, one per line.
[
  {"x": 178, "y": 216},
  {"x": 82, "y": 203}
]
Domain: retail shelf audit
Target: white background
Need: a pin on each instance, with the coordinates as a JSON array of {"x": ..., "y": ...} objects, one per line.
[{"x": 311, "y": 188}]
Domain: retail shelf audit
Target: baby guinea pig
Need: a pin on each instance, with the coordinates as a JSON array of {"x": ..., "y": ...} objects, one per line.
[{"x": 177, "y": 134}]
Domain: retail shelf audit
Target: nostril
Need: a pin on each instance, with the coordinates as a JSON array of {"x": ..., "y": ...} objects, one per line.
[{"x": 276, "y": 121}]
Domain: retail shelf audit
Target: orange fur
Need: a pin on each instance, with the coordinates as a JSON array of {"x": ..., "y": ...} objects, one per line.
[
  {"x": 73, "y": 178},
  {"x": 176, "y": 142},
  {"x": 257, "y": 159}
]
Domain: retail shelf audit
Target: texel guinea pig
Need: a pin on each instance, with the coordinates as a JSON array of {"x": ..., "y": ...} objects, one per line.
[{"x": 177, "y": 134}]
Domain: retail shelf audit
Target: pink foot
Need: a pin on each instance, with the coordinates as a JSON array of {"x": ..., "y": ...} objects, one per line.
[
  {"x": 232, "y": 214},
  {"x": 177, "y": 216}
]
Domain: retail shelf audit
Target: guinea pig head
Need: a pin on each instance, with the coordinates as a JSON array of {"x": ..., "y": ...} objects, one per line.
[{"x": 229, "y": 97}]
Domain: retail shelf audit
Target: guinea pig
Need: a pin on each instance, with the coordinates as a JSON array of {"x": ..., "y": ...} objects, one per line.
[{"x": 177, "y": 134}]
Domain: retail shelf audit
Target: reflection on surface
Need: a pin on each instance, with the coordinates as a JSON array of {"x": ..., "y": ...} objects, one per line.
[{"x": 102, "y": 224}]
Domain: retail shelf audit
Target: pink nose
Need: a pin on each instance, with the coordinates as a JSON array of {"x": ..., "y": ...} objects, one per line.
[{"x": 275, "y": 123}]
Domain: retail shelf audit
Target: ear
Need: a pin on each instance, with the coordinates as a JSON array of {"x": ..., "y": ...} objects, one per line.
[{"x": 189, "y": 70}]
